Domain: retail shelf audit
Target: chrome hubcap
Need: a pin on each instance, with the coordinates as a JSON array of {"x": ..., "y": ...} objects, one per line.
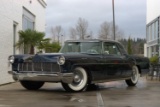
[{"x": 77, "y": 78}]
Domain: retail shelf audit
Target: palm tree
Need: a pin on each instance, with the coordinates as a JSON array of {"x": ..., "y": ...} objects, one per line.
[
  {"x": 50, "y": 47},
  {"x": 30, "y": 39}
]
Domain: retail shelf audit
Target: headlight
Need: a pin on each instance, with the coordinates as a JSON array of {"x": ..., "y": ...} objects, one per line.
[
  {"x": 61, "y": 60},
  {"x": 11, "y": 59}
]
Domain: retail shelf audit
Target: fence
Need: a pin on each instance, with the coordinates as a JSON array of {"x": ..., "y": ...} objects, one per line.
[{"x": 154, "y": 72}]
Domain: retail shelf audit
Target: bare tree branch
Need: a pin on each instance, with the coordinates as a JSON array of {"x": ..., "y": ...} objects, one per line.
[
  {"x": 90, "y": 35},
  {"x": 53, "y": 34},
  {"x": 104, "y": 32},
  {"x": 58, "y": 29},
  {"x": 73, "y": 33},
  {"x": 119, "y": 33},
  {"x": 57, "y": 33},
  {"x": 81, "y": 28}
]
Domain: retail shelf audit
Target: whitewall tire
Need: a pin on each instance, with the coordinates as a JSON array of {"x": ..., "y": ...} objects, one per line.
[
  {"x": 79, "y": 82},
  {"x": 134, "y": 78}
]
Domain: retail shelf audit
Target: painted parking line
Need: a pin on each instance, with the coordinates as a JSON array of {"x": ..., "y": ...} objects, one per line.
[
  {"x": 5, "y": 106},
  {"x": 100, "y": 100}
]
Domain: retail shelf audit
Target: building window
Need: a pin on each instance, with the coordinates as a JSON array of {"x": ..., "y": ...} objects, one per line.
[
  {"x": 153, "y": 34},
  {"x": 157, "y": 49},
  {"x": 147, "y": 34},
  {"x": 157, "y": 29},
  {"x": 153, "y": 37},
  {"x": 150, "y": 32},
  {"x": 148, "y": 52},
  {"x": 28, "y": 22}
]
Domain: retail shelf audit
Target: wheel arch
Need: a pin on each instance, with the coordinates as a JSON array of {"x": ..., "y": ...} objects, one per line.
[{"x": 139, "y": 69}]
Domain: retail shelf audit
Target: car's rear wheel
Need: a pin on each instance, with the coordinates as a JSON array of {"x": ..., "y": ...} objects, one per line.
[
  {"x": 79, "y": 82},
  {"x": 135, "y": 76},
  {"x": 32, "y": 85}
]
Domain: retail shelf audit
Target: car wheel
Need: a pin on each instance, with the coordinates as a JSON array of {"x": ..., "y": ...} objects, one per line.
[
  {"x": 79, "y": 82},
  {"x": 32, "y": 85},
  {"x": 135, "y": 76}
]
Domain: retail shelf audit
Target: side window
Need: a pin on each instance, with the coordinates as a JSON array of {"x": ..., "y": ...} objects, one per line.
[
  {"x": 122, "y": 49},
  {"x": 111, "y": 49}
]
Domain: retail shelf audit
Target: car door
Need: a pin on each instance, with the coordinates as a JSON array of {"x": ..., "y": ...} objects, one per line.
[{"x": 115, "y": 62}]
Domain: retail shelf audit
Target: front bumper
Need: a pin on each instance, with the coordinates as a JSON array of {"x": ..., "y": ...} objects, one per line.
[{"x": 49, "y": 77}]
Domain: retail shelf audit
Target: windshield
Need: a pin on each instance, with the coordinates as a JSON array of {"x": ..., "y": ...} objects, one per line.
[{"x": 82, "y": 47}]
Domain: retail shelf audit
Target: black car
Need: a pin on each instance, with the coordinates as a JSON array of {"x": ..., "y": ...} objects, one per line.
[{"x": 79, "y": 64}]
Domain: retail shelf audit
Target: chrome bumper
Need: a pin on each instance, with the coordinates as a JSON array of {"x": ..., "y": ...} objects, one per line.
[{"x": 31, "y": 76}]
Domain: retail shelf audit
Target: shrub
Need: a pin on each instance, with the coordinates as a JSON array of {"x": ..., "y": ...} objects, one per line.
[{"x": 154, "y": 59}]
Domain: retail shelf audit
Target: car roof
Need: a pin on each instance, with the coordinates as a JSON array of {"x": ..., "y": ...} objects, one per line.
[{"x": 93, "y": 40}]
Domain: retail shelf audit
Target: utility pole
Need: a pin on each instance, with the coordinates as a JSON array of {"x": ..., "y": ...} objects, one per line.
[{"x": 114, "y": 35}]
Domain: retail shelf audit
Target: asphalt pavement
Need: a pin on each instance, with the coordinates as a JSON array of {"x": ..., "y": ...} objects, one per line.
[{"x": 109, "y": 94}]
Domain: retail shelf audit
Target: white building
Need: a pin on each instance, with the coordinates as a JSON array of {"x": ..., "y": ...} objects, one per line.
[
  {"x": 17, "y": 15},
  {"x": 153, "y": 27}
]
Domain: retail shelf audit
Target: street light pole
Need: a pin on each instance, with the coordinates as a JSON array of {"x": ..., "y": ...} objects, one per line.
[{"x": 113, "y": 21}]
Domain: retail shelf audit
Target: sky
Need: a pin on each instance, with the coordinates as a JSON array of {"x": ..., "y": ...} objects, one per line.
[{"x": 130, "y": 15}]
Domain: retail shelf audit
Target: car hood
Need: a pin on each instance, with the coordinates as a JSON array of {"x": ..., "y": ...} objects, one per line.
[
  {"x": 50, "y": 57},
  {"x": 38, "y": 57}
]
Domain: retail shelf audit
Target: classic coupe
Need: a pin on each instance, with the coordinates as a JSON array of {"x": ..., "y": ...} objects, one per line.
[{"x": 79, "y": 64}]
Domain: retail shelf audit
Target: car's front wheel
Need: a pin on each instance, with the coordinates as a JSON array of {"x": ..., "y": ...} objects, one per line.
[
  {"x": 79, "y": 82},
  {"x": 134, "y": 78},
  {"x": 32, "y": 85}
]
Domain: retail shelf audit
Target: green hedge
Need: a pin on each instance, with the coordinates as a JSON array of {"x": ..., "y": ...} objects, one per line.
[{"x": 154, "y": 59}]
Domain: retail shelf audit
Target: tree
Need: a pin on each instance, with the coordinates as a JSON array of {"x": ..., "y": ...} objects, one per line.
[
  {"x": 50, "y": 47},
  {"x": 129, "y": 47},
  {"x": 118, "y": 33},
  {"x": 106, "y": 31},
  {"x": 90, "y": 35},
  {"x": 58, "y": 29},
  {"x": 53, "y": 34},
  {"x": 81, "y": 28},
  {"x": 57, "y": 33},
  {"x": 30, "y": 39},
  {"x": 73, "y": 33},
  {"x": 141, "y": 48},
  {"x": 137, "y": 48}
]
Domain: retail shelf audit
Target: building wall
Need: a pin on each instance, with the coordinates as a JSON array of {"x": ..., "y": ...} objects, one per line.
[
  {"x": 153, "y": 28},
  {"x": 145, "y": 50},
  {"x": 11, "y": 12},
  {"x": 153, "y": 10}
]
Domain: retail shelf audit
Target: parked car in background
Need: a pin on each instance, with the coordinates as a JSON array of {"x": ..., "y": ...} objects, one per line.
[{"x": 79, "y": 64}]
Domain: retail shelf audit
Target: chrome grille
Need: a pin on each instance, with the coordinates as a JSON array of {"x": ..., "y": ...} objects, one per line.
[{"x": 38, "y": 66}]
